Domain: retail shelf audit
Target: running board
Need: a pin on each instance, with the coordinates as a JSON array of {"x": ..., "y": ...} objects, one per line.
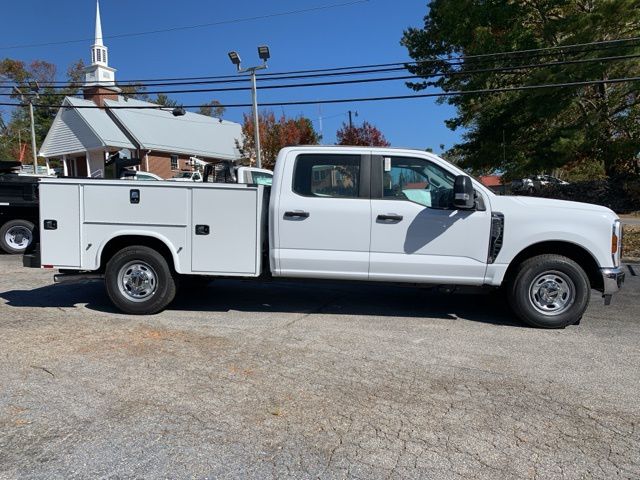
[{"x": 77, "y": 277}]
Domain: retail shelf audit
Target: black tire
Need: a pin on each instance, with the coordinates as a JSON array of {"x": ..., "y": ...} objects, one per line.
[
  {"x": 139, "y": 281},
  {"x": 549, "y": 291},
  {"x": 16, "y": 236}
]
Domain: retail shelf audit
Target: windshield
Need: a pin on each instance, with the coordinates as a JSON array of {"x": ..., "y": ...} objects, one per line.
[{"x": 183, "y": 175}]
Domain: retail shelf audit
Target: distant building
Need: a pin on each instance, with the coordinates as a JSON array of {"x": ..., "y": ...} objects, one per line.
[
  {"x": 84, "y": 137},
  {"x": 495, "y": 183}
]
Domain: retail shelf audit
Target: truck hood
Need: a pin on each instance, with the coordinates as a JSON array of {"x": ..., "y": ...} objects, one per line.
[{"x": 548, "y": 203}]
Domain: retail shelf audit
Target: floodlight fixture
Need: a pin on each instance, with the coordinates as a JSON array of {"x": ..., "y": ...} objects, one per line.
[
  {"x": 263, "y": 53},
  {"x": 235, "y": 58}
]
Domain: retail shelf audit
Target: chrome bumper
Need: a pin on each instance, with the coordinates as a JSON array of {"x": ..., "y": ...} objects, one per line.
[{"x": 612, "y": 280}]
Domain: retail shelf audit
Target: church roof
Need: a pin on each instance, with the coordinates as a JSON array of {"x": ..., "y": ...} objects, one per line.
[
  {"x": 76, "y": 130},
  {"x": 192, "y": 134}
]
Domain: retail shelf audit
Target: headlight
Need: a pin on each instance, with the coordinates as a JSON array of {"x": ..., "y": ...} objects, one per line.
[{"x": 616, "y": 243}]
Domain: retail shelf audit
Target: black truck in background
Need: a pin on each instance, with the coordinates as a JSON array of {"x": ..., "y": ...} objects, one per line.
[{"x": 18, "y": 208}]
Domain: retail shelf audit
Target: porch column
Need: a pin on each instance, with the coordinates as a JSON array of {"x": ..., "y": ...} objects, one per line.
[
  {"x": 87, "y": 157},
  {"x": 65, "y": 167}
]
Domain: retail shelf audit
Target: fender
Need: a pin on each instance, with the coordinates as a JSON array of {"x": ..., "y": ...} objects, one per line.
[{"x": 138, "y": 233}]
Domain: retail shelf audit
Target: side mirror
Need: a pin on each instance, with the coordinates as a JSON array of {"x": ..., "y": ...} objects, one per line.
[{"x": 463, "y": 193}]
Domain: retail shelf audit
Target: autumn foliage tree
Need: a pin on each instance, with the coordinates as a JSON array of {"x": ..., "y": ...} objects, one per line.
[
  {"x": 14, "y": 143},
  {"x": 275, "y": 133},
  {"x": 365, "y": 135}
]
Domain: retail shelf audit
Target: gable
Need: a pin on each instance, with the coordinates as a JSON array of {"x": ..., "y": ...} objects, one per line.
[{"x": 68, "y": 134}]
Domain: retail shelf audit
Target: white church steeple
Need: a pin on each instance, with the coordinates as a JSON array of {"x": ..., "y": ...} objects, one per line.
[{"x": 99, "y": 72}]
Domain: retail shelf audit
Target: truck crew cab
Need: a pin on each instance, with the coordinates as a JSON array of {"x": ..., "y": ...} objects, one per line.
[{"x": 342, "y": 213}]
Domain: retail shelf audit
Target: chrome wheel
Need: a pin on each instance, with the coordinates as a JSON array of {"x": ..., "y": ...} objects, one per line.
[
  {"x": 18, "y": 237},
  {"x": 137, "y": 281},
  {"x": 552, "y": 293}
]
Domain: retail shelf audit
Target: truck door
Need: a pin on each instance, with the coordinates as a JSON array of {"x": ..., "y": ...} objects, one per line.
[
  {"x": 416, "y": 234},
  {"x": 323, "y": 217}
]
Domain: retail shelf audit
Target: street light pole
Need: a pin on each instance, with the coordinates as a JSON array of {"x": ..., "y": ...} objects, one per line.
[
  {"x": 256, "y": 123},
  {"x": 33, "y": 138},
  {"x": 263, "y": 53}
]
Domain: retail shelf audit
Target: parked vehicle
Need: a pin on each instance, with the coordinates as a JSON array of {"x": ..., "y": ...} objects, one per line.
[
  {"x": 18, "y": 208},
  {"x": 187, "y": 176},
  {"x": 540, "y": 181},
  {"x": 535, "y": 183},
  {"x": 140, "y": 176},
  {"x": 522, "y": 185},
  {"x": 342, "y": 213}
]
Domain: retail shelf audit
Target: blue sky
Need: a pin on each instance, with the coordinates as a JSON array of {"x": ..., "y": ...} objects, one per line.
[{"x": 363, "y": 33}]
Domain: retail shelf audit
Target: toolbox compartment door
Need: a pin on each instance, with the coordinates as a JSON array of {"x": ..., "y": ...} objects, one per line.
[
  {"x": 60, "y": 225},
  {"x": 225, "y": 231}
]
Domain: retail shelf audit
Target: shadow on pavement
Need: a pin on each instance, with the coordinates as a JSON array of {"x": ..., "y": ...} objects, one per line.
[{"x": 291, "y": 297}]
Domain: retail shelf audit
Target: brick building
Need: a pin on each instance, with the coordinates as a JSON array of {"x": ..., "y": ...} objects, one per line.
[{"x": 83, "y": 137}]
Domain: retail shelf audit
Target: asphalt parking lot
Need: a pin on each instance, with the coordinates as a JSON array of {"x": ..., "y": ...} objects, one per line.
[{"x": 307, "y": 380}]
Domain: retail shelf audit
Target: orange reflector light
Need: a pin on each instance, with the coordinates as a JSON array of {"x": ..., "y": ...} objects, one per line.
[
  {"x": 614, "y": 244},
  {"x": 47, "y": 266}
]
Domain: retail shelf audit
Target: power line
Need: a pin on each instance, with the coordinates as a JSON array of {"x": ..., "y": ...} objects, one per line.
[
  {"x": 378, "y": 79},
  {"x": 192, "y": 27},
  {"x": 362, "y": 99},
  {"x": 361, "y": 69}
]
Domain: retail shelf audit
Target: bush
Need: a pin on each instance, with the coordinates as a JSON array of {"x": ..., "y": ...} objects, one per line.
[{"x": 621, "y": 194}]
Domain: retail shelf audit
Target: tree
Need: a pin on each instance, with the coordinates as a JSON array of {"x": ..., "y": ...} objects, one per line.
[
  {"x": 539, "y": 129},
  {"x": 274, "y": 135},
  {"x": 164, "y": 100},
  {"x": 365, "y": 135},
  {"x": 136, "y": 91},
  {"x": 19, "y": 126},
  {"x": 212, "y": 109}
]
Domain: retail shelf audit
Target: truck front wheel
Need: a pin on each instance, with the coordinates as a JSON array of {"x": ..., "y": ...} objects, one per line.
[
  {"x": 549, "y": 291},
  {"x": 16, "y": 236},
  {"x": 139, "y": 281}
]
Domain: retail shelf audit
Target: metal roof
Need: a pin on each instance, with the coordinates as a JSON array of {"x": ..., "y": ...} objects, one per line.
[
  {"x": 79, "y": 130},
  {"x": 191, "y": 134}
]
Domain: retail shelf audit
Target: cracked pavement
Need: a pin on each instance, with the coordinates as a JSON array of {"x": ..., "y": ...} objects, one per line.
[{"x": 311, "y": 380}]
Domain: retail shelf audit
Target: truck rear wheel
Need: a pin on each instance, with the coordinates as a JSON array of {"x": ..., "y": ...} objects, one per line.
[
  {"x": 139, "y": 281},
  {"x": 16, "y": 236},
  {"x": 549, "y": 291}
]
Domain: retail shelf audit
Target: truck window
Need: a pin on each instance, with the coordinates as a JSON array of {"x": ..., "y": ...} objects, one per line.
[
  {"x": 262, "y": 178},
  {"x": 418, "y": 180},
  {"x": 326, "y": 175}
]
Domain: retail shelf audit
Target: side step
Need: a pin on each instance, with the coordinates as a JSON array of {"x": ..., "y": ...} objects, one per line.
[{"x": 77, "y": 277}]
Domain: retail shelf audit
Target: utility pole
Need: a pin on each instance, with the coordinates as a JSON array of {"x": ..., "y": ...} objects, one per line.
[
  {"x": 350, "y": 119},
  {"x": 33, "y": 138},
  {"x": 263, "y": 53},
  {"x": 504, "y": 150},
  {"x": 320, "y": 121},
  {"x": 34, "y": 88}
]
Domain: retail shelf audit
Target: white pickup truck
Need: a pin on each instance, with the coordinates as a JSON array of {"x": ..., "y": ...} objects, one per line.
[{"x": 342, "y": 213}]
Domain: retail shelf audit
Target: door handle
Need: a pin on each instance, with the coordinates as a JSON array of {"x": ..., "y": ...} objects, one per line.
[
  {"x": 296, "y": 214},
  {"x": 202, "y": 229},
  {"x": 392, "y": 217}
]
